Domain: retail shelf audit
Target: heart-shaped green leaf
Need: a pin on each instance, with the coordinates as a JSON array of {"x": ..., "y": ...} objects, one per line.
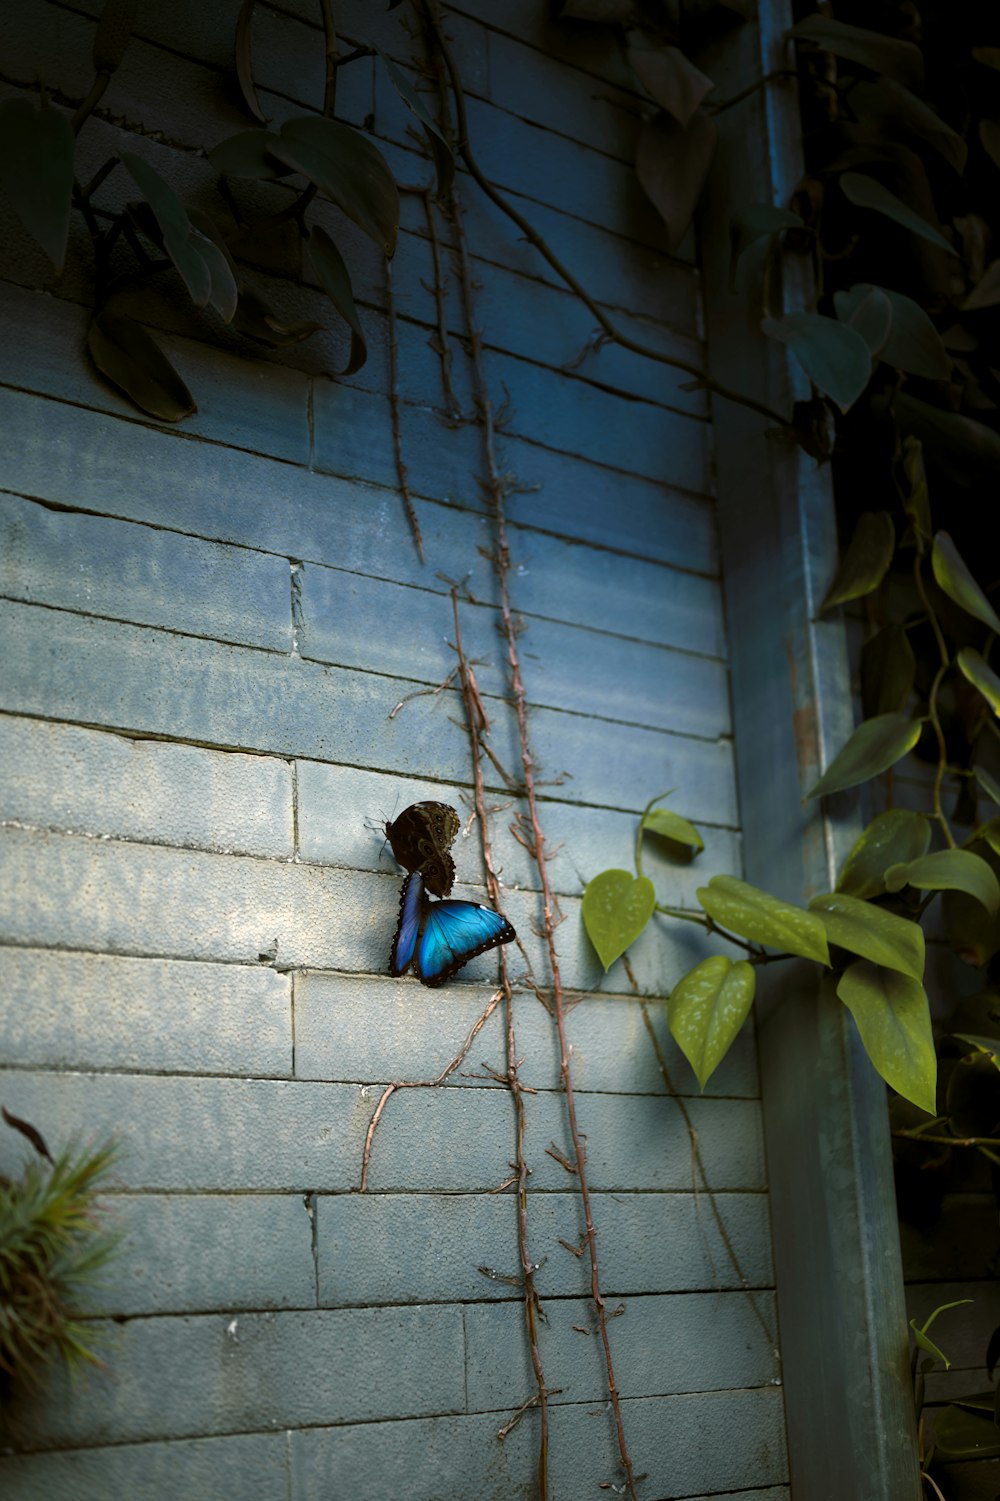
[
  {"x": 248, "y": 155},
  {"x": 706, "y": 1010},
  {"x": 672, "y": 827},
  {"x": 948, "y": 870},
  {"x": 897, "y": 59},
  {"x": 671, "y": 79},
  {"x": 204, "y": 268},
  {"x": 891, "y": 838},
  {"x": 132, "y": 360},
  {"x": 954, "y": 577},
  {"x": 893, "y": 1016},
  {"x": 348, "y": 168},
  {"x": 835, "y": 357},
  {"x": 336, "y": 282},
  {"x": 616, "y": 908},
  {"x": 756, "y": 222},
  {"x": 36, "y": 171},
  {"x": 875, "y": 746},
  {"x": 873, "y": 932},
  {"x": 866, "y": 561},
  {"x": 961, "y": 1433},
  {"x": 672, "y": 164},
  {"x": 866, "y": 192},
  {"x": 758, "y": 915}
]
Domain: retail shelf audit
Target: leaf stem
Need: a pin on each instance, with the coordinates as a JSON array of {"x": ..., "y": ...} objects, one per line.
[{"x": 93, "y": 99}]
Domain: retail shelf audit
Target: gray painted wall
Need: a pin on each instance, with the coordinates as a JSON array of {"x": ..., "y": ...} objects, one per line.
[{"x": 205, "y": 631}]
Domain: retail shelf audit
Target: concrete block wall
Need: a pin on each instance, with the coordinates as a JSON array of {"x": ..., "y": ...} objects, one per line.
[{"x": 205, "y": 631}]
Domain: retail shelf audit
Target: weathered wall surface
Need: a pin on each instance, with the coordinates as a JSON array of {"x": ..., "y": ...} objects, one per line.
[{"x": 205, "y": 631}]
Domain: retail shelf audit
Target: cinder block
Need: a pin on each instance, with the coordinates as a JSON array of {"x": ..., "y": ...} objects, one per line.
[
  {"x": 104, "y": 567},
  {"x": 430, "y": 1247},
  {"x": 62, "y": 776},
  {"x": 101, "y": 1011},
  {"x": 200, "y": 1253},
  {"x": 688, "y": 1342},
  {"x": 252, "y": 1464},
  {"x": 219, "y": 1373}
]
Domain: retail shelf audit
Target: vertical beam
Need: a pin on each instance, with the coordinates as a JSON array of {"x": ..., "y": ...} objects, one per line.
[{"x": 839, "y": 1281}]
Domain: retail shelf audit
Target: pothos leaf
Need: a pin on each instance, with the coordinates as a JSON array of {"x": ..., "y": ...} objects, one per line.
[
  {"x": 893, "y": 1016},
  {"x": 707, "y": 1008},
  {"x": 981, "y": 676},
  {"x": 888, "y": 670},
  {"x": 336, "y": 282},
  {"x": 203, "y": 267},
  {"x": 875, "y": 745},
  {"x": 867, "y": 192},
  {"x": 616, "y": 908},
  {"x": 954, "y": 577},
  {"x": 672, "y": 827},
  {"x": 882, "y": 54},
  {"x": 834, "y": 356},
  {"x": 244, "y": 60},
  {"x": 348, "y": 168},
  {"x": 753, "y": 223},
  {"x": 444, "y": 160},
  {"x": 36, "y": 171},
  {"x": 132, "y": 360},
  {"x": 948, "y": 870},
  {"x": 766, "y": 919},
  {"x": 891, "y": 838},
  {"x": 866, "y": 561},
  {"x": 671, "y": 79},
  {"x": 672, "y": 164},
  {"x": 871, "y": 932}
]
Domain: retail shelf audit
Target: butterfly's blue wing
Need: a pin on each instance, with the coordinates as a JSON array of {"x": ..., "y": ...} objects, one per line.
[
  {"x": 455, "y": 932},
  {"x": 404, "y": 943}
]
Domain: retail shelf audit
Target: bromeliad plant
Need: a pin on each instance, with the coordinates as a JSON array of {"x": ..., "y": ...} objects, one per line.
[
  {"x": 53, "y": 1245},
  {"x": 942, "y": 700}
]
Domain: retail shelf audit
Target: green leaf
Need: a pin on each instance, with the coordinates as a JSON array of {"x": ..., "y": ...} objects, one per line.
[
  {"x": 672, "y": 164},
  {"x": 890, "y": 839},
  {"x": 124, "y": 352},
  {"x": 896, "y": 59},
  {"x": 872, "y": 932},
  {"x": 616, "y": 908},
  {"x": 672, "y": 827},
  {"x": 990, "y": 832},
  {"x": 957, "y": 582},
  {"x": 948, "y": 870},
  {"x": 963, "y": 1434},
  {"x": 756, "y": 222},
  {"x": 972, "y": 935},
  {"x": 916, "y": 502},
  {"x": 865, "y": 192},
  {"x": 336, "y": 282},
  {"x": 875, "y": 745},
  {"x": 671, "y": 79},
  {"x": 755, "y": 914},
  {"x": 981, "y": 676},
  {"x": 866, "y": 561},
  {"x": 244, "y": 60},
  {"x": 204, "y": 269},
  {"x": 114, "y": 32},
  {"x": 36, "y": 171},
  {"x": 921, "y": 1331},
  {"x": 989, "y": 785},
  {"x": 986, "y": 292},
  {"x": 248, "y": 155},
  {"x": 890, "y": 107},
  {"x": 868, "y": 310},
  {"x": 348, "y": 168},
  {"x": 893, "y": 1016},
  {"x": 444, "y": 160},
  {"x": 258, "y": 321},
  {"x": 888, "y": 668},
  {"x": 965, "y": 450},
  {"x": 706, "y": 1010},
  {"x": 913, "y": 344},
  {"x": 835, "y": 357}
]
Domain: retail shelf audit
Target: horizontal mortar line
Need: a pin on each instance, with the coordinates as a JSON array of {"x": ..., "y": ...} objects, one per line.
[
  {"x": 494, "y": 697},
  {"x": 163, "y": 630},
  {"x": 597, "y": 1194},
  {"x": 544, "y": 793},
  {"x": 455, "y": 1081},
  {"x": 135, "y": 419},
  {"x": 396, "y": 582}
]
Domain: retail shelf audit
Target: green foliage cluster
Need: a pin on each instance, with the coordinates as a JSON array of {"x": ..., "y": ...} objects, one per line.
[
  {"x": 53, "y": 1245},
  {"x": 212, "y": 254}
]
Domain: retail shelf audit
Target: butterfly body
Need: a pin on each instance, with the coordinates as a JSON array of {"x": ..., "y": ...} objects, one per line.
[
  {"x": 421, "y": 839},
  {"x": 435, "y": 939}
]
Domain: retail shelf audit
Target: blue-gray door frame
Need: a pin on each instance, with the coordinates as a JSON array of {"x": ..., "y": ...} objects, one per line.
[{"x": 849, "y": 1411}]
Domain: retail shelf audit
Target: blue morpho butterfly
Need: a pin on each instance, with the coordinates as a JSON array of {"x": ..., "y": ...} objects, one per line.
[{"x": 437, "y": 938}]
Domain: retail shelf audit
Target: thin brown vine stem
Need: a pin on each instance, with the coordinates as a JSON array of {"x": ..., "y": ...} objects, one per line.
[
  {"x": 533, "y": 236},
  {"x": 444, "y": 348},
  {"x": 397, "y": 440},
  {"x": 948, "y": 1141},
  {"x": 496, "y": 490},
  {"x": 476, "y": 725}
]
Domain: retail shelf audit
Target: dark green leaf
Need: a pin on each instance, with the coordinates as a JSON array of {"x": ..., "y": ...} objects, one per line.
[
  {"x": 124, "y": 352},
  {"x": 336, "y": 282},
  {"x": 868, "y": 310},
  {"x": 114, "y": 32},
  {"x": 889, "y": 839},
  {"x": 875, "y": 746},
  {"x": 36, "y": 171},
  {"x": 222, "y": 291},
  {"x": 248, "y": 155},
  {"x": 872, "y": 932},
  {"x": 755, "y": 914},
  {"x": 894, "y": 110},
  {"x": 255, "y": 319},
  {"x": 706, "y": 1010},
  {"x": 894, "y": 1019},
  {"x": 835, "y": 357},
  {"x": 756, "y": 222},
  {"x": 957, "y": 582},
  {"x": 990, "y": 832},
  {"x": 988, "y": 784},
  {"x": 616, "y": 908},
  {"x": 244, "y": 60},
  {"x": 674, "y": 828},
  {"x": 961, "y": 1434},
  {"x": 964, "y": 449},
  {"x": 672, "y": 164},
  {"x": 948, "y": 870},
  {"x": 888, "y": 668},
  {"x": 348, "y": 168},
  {"x": 916, "y": 502},
  {"x": 204, "y": 268},
  {"x": 986, "y": 292},
  {"x": 914, "y": 344},
  {"x": 921, "y": 1331},
  {"x": 897, "y": 59},
  {"x": 972, "y": 934},
  {"x": 866, "y": 561},
  {"x": 981, "y": 676},
  {"x": 867, "y": 192},
  {"x": 444, "y": 160},
  {"x": 671, "y": 79}
]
